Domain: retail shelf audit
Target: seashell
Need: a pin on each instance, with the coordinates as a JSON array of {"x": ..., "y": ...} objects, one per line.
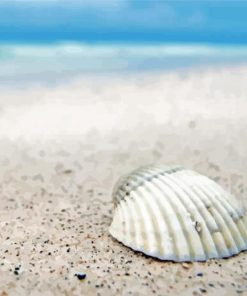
[{"x": 177, "y": 214}]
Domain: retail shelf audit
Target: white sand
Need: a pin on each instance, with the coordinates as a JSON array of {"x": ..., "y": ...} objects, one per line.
[{"x": 62, "y": 148}]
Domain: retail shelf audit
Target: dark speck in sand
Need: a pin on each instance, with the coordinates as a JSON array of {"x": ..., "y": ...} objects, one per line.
[
  {"x": 68, "y": 172},
  {"x": 199, "y": 274},
  {"x": 80, "y": 276}
]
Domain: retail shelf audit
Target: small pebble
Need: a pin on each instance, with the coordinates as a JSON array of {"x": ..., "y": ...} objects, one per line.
[
  {"x": 80, "y": 276},
  {"x": 186, "y": 265},
  {"x": 199, "y": 274}
]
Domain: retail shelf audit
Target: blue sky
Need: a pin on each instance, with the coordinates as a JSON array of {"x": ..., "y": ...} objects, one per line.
[{"x": 134, "y": 21}]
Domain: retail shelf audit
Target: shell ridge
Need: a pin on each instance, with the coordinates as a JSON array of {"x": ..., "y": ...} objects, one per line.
[
  {"x": 152, "y": 217},
  {"x": 217, "y": 235},
  {"x": 143, "y": 235},
  {"x": 166, "y": 223},
  {"x": 209, "y": 218},
  {"x": 176, "y": 235},
  {"x": 192, "y": 235},
  {"x": 228, "y": 199},
  {"x": 125, "y": 238},
  {"x": 125, "y": 222},
  {"x": 152, "y": 182},
  {"x": 135, "y": 222},
  {"x": 139, "y": 175},
  {"x": 155, "y": 215},
  {"x": 227, "y": 218},
  {"x": 221, "y": 211},
  {"x": 220, "y": 241},
  {"x": 231, "y": 208},
  {"x": 144, "y": 212},
  {"x": 167, "y": 206},
  {"x": 182, "y": 223},
  {"x": 236, "y": 215},
  {"x": 233, "y": 220},
  {"x": 233, "y": 228},
  {"x": 206, "y": 237},
  {"x": 242, "y": 228},
  {"x": 116, "y": 227},
  {"x": 223, "y": 226}
]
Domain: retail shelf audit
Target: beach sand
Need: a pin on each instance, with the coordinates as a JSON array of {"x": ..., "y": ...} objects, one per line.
[{"x": 62, "y": 148}]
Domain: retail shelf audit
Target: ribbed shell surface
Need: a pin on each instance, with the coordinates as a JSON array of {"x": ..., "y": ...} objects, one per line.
[{"x": 176, "y": 214}]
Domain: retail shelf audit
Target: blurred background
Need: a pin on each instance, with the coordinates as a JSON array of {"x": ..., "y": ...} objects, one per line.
[
  {"x": 164, "y": 81},
  {"x": 49, "y": 40}
]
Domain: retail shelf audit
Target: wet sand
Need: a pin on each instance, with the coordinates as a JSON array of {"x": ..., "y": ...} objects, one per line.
[{"x": 62, "y": 148}]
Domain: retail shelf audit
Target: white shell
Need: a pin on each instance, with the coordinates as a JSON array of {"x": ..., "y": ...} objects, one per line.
[{"x": 177, "y": 214}]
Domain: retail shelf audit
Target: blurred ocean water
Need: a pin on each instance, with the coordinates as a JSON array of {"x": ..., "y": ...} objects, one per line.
[{"x": 49, "y": 62}]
